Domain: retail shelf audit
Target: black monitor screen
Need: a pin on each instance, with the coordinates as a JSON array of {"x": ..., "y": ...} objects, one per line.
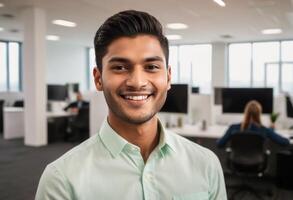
[
  {"x": 57, "y": 92},
  {"x": 177, "y": 99},
  {"x": 289, "y": 107},
  {"x": 195, "y": 90},
  {"x": 235, "y": 99}
]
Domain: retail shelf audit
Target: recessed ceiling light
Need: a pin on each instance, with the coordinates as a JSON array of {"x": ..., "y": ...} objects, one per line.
[
  {"x": 61, "y": 22},
  {"x": 173, "y": 37},
  {"x": 220, "y": 3},
  {"x": 1, "y": 29},
  {"x": 52, "y": 37},
  {"x": 1, "y": 5},
  {"x": 271, "y": 31},
  {"x": 177, "y": 26}
]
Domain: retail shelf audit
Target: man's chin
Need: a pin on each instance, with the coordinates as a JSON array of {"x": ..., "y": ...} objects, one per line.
[{"x": 138, "y": 120}]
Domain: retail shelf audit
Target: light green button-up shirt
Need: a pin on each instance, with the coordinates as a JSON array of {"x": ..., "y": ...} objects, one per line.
[{"x": 107, "y": 167}]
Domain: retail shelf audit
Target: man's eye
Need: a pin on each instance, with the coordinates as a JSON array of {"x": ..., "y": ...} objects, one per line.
[
  {"x": 152, "y": 67},
  {"x": 119, "y": 68}
]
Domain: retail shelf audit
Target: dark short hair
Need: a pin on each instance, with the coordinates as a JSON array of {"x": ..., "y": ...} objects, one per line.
[{"x": 129, "y": 23}]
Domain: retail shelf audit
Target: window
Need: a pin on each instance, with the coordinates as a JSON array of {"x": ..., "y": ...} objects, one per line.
[
  {"x": 287, "y": 66},
  {"x": 193, "y": 66},
  {"x": 264, "y": 52},
  {"x": 3, "y": 66},
  {"x": 91, "y": 65},
  {"x": 10, "y": 76},
  {"x": 262, "y": 64},
  {"x": 240, "y": 65},
  {"x": 173, "y": 62}
]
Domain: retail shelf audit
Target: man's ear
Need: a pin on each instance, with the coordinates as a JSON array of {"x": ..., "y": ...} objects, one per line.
[
  {"x": 98, "y": 78},
  {"x": 169, "y": 77}
]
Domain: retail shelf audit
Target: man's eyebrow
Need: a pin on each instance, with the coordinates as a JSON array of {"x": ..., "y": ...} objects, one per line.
[
  {"x": 119, "y": 59},
  {"x": 125, "y": 60},
  {"x": 155, "y": 58}
]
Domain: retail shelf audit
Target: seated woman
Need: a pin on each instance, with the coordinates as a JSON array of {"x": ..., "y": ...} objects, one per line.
[{"x": 252, "y": 122}]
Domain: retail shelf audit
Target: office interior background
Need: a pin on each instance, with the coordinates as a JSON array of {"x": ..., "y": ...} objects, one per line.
[{"x": 242, "y": 44}]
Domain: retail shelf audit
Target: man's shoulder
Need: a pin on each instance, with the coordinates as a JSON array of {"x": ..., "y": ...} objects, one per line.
[
  {"x": 194, "y": 150},
  {"x": 77, "y": 154}
]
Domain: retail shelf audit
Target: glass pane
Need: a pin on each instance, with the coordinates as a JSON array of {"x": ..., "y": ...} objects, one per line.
[
  {"x": 3, "y": 66},
  {"x": 287, "y": 78},
  {"x": 263, "y": 52},
  {"x": 185, "y": 63},
  {"x": 287, "y": 50},
  {"x": 272, "y": 77},
  {"x": 92, "y": 64},
  {"x": 239, "y": 65},
  {"x": 173, "y": 62},
  {"x": 14, "y": 66},
  {"x": 202, "y": 67}
]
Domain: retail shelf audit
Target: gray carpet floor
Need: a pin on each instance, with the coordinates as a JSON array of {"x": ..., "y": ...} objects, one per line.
[{"x": 22, "y": 166}]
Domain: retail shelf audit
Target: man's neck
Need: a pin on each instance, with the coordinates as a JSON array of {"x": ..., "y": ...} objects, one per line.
[{"x": 145, "y": 136}]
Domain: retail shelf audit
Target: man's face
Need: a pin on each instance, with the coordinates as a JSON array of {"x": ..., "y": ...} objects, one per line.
[{"x": 134, "y": 78}]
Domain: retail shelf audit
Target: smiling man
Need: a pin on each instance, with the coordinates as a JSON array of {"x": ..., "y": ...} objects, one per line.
[{"x": 133, "y": 156}]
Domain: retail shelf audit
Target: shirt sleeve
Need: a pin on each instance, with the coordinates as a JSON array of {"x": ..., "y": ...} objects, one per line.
[
  {"x": 276, "y": 137},
  {"x": 216, "y": 179},
  {"x": 223, "y": 140},
  {"x": 52, "y": 186}
]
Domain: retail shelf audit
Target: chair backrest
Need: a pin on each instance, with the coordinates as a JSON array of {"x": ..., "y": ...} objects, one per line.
[
  {"x": 247, "y": 151},
  {"x": 83, "y": 116}
]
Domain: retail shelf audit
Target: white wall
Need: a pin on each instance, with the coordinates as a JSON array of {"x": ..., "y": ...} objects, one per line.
[{"x": 66, "y": 63}]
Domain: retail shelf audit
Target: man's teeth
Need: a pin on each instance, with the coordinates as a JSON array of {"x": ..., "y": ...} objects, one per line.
[{"x": 137, "y": 98}]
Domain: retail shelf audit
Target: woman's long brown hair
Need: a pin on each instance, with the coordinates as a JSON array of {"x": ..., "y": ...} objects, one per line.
[{"x": 252, "y": 113}]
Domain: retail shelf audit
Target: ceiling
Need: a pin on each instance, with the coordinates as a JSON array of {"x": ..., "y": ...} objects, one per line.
[{"x": 208, "y": 22}]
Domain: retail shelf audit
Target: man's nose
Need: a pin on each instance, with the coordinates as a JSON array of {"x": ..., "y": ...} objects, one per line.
[{"x": 137, "y": 79}]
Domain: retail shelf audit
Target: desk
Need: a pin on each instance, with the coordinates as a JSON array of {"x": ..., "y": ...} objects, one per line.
[
  {"x": 215, "y": 131},
  {"x": 13, "y": 121}
]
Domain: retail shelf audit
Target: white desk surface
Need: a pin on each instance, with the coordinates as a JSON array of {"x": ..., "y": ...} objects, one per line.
[
  {"x": 215, "y": 131},
  {"x": 58, "y": 114},
  {"x": 13, "y": 109}
]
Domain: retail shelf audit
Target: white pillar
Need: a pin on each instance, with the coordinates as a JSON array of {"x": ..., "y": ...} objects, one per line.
[
  {"x": 34, "y": 79},
  {"x": 219, "y": 65}
]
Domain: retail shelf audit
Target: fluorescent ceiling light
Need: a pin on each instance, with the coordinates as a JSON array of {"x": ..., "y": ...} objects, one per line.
[
  {"x": 271, "y": 31},
  {"x": 1, "y": 5},
  {"x": 220, "y": 3},
  {"x": 1, "y": 29},
  {"x": 173, "y": 37},
  {"x": 61, "y": 22},
  {"x": 177, "y": 26},
  {"x": 52, "y": 37}
]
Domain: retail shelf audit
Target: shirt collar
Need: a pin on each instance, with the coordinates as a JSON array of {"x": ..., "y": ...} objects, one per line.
[
  {"x": 166, "y": 143},
  {"x": 115, "y": 143}
]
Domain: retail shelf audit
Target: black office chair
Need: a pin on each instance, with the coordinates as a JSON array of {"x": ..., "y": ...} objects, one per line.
[
  {"x": 247, "y": 157},
  {"x": 79, "y": 126},
  {"x": 1, "y": 115}
]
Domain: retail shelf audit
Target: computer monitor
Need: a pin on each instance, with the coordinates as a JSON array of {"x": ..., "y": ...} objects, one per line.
[
  {"x": 177, "y": 99},
  {"x": 289, "y": 107},
  {"x": 235, "y": 99},
  {"x": 57, "y": 92},
  {"x": 195, "y": 90}
]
